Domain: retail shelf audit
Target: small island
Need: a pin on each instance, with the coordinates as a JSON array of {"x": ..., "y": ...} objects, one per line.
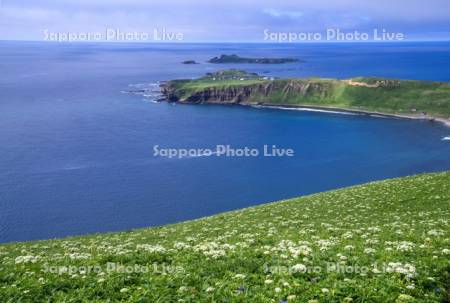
[
  {"x": 237, "y": 59},
  {"x": 373, "y": 96},
  {"x": 190, "y": 62}
]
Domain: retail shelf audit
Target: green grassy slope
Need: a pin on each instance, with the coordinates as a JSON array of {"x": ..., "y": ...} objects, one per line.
[
  {"x": 390, "y": 96},
  {"x": 387, "y": 241}
]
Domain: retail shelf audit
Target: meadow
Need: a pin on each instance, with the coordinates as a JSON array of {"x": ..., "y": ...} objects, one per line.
[{"x": 386, "y": 241}]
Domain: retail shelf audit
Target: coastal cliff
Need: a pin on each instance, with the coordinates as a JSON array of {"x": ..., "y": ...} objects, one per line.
[
  {"x": 407, "y": 97},
  {"x": 234, "y": 86},
  {"x": 231, "y": 94}
]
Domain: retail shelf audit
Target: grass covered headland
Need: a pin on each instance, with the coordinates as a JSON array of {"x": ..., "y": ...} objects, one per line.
[
  {"x": 386, "y": 241},
  {"x": 391, "y": 96}
]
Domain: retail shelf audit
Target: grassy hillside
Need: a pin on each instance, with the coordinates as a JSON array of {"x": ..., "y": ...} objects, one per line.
[
  {"x": 373, "y": 94},
  {"x": 381, "y": 242}
]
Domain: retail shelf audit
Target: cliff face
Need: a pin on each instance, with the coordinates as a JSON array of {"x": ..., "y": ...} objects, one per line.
[
  {"x": 224, "y": 95},
  {"x": 233, "y": 94},
  {"x": 252, "y": 93}
]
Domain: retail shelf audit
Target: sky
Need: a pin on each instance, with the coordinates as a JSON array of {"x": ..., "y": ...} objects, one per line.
[{"x": 217, "y": 20}]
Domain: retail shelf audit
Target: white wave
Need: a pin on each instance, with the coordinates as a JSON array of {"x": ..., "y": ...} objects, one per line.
[
  {"x": 146, "y": 86},
  {"x": 304, "y": 109},
  {"x": 446, "y": 138},
  {"x": 150, "y": 91},
  {"x": 380, "y": 116},
  {"x": 75, "y": 167}
]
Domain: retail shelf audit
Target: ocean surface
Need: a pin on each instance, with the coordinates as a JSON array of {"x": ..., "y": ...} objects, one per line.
[{"x": 76, "y": 153}]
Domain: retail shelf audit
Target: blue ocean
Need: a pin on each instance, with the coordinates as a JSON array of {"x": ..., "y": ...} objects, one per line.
[{"x": 76, "y": 152}]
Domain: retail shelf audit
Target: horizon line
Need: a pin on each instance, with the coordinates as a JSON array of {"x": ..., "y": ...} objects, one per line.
[{"x": 224, "y": 41}]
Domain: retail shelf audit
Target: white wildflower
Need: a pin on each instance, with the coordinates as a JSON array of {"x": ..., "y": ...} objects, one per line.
[
  {"x": 299, "y": 268},
  {"x": 26, "y": 259},
  {"x": 435, "y": 233},
  {"x": 369, "y": 251},
  {"x": 151, "y": 248},
  {"x": 349, "y": 247}
]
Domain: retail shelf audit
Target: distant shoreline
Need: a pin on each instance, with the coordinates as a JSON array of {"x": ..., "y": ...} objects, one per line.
[
  {"x": 338, "y": 110},
  {"x": 364, "y": 96}
]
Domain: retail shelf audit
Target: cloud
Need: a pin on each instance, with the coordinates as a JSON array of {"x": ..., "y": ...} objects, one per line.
[
  {"x": 207, "y": 20},
  {"x": 281, "y": 14}
]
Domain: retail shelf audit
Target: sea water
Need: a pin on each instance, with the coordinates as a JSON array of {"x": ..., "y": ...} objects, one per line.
[{"x": 76, "y": 153}]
